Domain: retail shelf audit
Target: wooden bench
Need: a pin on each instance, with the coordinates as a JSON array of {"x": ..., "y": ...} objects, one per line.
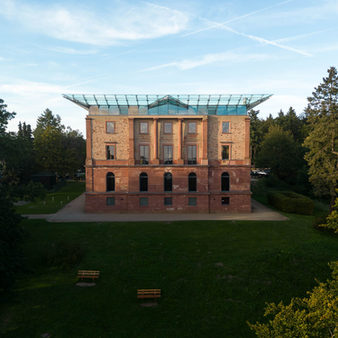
[
  {"x": 93, "y": 274},
  {"x": 148, "y": 293}
]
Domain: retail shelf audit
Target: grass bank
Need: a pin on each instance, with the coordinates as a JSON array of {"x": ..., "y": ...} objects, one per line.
[
  {"x": 54, "y": 200},
  {"x": 214, "y": 277}
]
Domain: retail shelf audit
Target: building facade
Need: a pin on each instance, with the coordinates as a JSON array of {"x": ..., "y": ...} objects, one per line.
[{"x": 173, "y": 153}]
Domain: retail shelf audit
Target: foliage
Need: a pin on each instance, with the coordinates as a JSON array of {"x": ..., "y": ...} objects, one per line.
[
  {"x": 292, "y": 123},
  {"x": 31, "y": 191},
  {"x": 256, "y": 133},
  {"x": 322, "y": 141},
  {"x": 5, "y": 116},
  {"x": 312, "y": 316},
  {"x": 58, "y": 150},
  {"x": 10, "y": 237},
  {"x": 281, "y": 154},
  {"x": 332, "y": 219},
  {"x": 289, "y": 201}
]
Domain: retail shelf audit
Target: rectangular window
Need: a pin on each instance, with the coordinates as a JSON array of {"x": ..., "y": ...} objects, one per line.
[
  {"x": 226, "y": 152},
  {"x": 192, "y": 151},
  {"x": 110, "y": 127},
  {"x": 192, "y": 127},
  {"x": 110, "y": 150},
  {"x": 225, "y": 127},
  {"x": 143, "y": 127},
  {"x": 168, "y": 127},
  {"x": 144, "y": 154},
  {"x": 143, "y": 201},
  {"x": 168, "y": 154},
  {"x": 192, "y": 201},
  {"x": 110, "y": 201},
  {"x": 168, "y": 201},
  {"x": 225, "y": 200}
]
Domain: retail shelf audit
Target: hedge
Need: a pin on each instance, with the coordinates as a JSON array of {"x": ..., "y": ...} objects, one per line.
[{"x": 289, "y": 201}]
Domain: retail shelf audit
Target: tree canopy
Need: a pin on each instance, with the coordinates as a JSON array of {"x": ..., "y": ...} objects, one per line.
[
  {"x": 5, "y": 116},
  {"x": 322, "y": 141}
]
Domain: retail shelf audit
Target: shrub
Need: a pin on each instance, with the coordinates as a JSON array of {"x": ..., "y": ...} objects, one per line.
[
  {"x": 312, "y": 316},
  {"x": 34, "y": 190},
  {"x": 10, "y": 237},
  {"x": 289, "y": 201},
  {"x": 62, "y": 255},
  {"x": 331, "y": 222}
]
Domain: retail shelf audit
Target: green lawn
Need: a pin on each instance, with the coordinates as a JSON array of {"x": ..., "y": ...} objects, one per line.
[
  {"x": 53, "y": 200},
  {"x": 214, "y": 277}
]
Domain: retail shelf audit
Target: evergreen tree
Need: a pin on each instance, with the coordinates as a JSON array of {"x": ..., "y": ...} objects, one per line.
[
  {"x": 281, "y": 154},
  {"x": 5, "y": 116},
  {"x": 322, "y": 141}
]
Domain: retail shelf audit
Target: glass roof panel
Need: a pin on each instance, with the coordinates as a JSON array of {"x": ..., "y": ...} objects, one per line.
[{"x": 182, "y": 100}]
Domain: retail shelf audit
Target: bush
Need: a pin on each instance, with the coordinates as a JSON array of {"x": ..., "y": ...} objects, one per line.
[
  {"x": 10, "y": 237},
  {"x": 289, "y": 201},
  {"x": 62, "y": 255},
  {"x": 331, "y": 222},
  {"x": 34, "y": 190},
  {"x": 312, "y": 316}
]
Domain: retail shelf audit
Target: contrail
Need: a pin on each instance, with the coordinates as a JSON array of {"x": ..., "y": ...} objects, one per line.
[
  {"x": 264, "y": 41},
  {"x": 236, "y": 18}
]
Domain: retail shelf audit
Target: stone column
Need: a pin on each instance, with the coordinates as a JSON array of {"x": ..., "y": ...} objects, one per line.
[
  {"x": 204, "y": 141},
  {"x": 155, "y": 159},
  {"x": 131, "y": 160},
  {"x": 179, "y": 142}
]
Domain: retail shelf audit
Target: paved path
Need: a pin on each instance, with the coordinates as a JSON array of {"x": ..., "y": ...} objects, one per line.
[{"x": 74, "y": 212}]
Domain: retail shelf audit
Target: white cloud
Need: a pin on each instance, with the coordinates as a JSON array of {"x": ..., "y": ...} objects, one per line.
[
  {"x": 23, "y": 88},
  {"x": 211, "y": 58},
  {"x": 71, "y": 51},
  {"x": 120, "y": 23}
]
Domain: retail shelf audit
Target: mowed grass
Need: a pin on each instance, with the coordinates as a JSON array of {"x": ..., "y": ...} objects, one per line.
[
  {"x": 214, "y": 277},
  {"x": 53, "y": 200}
]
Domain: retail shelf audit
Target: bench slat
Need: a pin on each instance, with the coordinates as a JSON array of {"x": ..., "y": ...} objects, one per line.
[
  {"x": 88, "y": 274},
  {"x": 148, "y": 293}
]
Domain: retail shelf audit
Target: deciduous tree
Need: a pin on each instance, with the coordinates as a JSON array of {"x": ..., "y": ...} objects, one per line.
[{"x": 322, "y": 141}]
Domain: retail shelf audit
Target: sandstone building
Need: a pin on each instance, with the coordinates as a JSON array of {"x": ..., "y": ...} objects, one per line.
[{"x": 173, "y": 153}]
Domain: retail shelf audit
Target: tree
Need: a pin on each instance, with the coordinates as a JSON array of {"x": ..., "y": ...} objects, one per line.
[
  {"x": 292, "y": 123},
  {"x": 332, "y": 219},
  {"x": 5, "y": 116},
  {"x": 256, "y": 134},
  {"x": 281, "y": 154},
  {"x": 57, "y": 150},
  {"x": 312, "y": 316},
  {"x": 48, "y": 120},
  {"x": 48, "y": 149},
  {"x": 322, "y": 141}
]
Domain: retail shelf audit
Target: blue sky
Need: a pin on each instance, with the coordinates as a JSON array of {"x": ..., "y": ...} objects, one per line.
[{"x": 160, "y": 47}]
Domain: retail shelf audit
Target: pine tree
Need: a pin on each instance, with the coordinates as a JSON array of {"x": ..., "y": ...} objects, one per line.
[{"x": 322, "y": 155}]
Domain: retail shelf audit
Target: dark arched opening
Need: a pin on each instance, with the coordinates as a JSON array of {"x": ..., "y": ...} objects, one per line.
[
  {"x": 143, "y": 182},
  {"x": 110, "y": 182},
  {"x": 225, "y": 182},
  {"x": 192, "y": 182}
]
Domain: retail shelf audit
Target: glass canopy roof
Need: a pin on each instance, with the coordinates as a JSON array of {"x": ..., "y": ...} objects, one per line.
[{"x": 220, "y": 104}]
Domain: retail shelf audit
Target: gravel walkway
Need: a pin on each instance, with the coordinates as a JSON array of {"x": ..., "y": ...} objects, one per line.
[{"x": 74, "y": 212}]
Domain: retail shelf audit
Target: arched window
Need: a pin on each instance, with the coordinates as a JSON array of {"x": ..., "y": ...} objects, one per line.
[
  {"x": 225, "y": 182},
  {"x": 110, "y": 182},
  {"x": 192, "y": 182},
  {"x": 143, "y": 182},
  {"x": 168, "y": 182}
]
